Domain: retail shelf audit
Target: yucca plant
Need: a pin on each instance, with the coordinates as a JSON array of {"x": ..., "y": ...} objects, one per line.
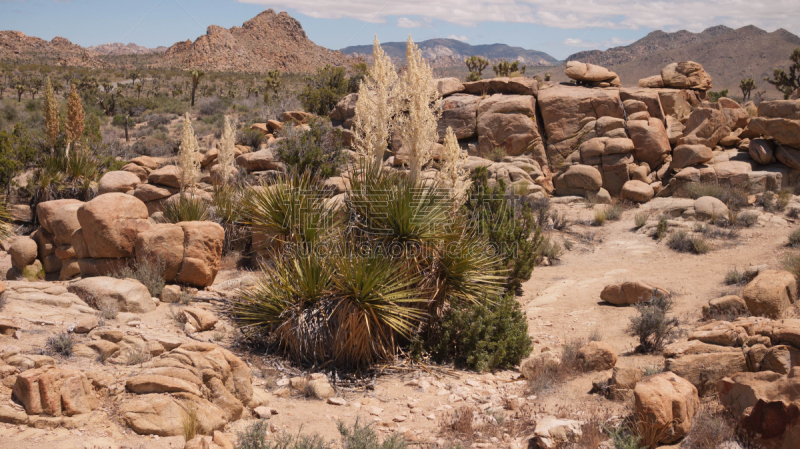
[
  {"x": 290, "y": 211},
  {"x": 6, "y": 220},
  {"x": 186, "y": 208}
]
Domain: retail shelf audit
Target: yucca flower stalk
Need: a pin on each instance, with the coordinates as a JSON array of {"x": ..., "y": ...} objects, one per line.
[
  {"x": 75, "y": 118},
  {"x": 375, "y": 107},
  {"x": 51, "y": 117},
  {"x": 453, "y": 175},
  {"x": 227, "y": 147},
  {"x": 419, "y": 98},
  {"x": 188, "y": 156}
]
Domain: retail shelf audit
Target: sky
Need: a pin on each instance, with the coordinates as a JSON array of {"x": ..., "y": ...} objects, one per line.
[{"x": 559, "y": 27}]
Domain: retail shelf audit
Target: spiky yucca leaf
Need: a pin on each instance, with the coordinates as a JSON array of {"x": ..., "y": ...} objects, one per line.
[
  {"x": 469, "y": 269},
  {"x": 6, "y": 220},
  {"x": 186, "y": 208},
  {"x": 399, "y": 210},
  {"x": 376, "y": 301},
  {"x": 289, "y": 211}
]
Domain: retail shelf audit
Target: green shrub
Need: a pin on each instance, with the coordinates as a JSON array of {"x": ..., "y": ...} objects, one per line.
[
  {"x": 623, "y": 437},
  {"x": 483, "y": 337},
  {"x": 746, "y": 219},
  {"x": 509, "y": 226},
  {"x": 325, "y": 89},
  {"x": 652, "y": 327},
  {"x": 496, "y": 154},
  {"x": 61, "y": 344},
  {"x": 186, "y": 208},
  {"x": 250, "y": 137},
  {"x": 792, "y": 264},
  {"x": 149, "y": 272},
  {"x": 661, "y": 228},
  {"x": 349, "y": 289},
  {"x": 317, "y": 151}
]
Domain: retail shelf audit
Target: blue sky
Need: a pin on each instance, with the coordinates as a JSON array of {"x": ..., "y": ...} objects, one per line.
[{"x": 559, "y": 28}]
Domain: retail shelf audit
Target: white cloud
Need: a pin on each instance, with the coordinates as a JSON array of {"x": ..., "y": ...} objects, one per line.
[
  {"x": 458, "y": 38},
  {"x": 405, "y": 22},
  {"x": 668, "y": 15},
  {"x": 582, "y": 44}
]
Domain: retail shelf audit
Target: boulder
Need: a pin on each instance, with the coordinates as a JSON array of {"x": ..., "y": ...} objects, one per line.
[
  {"x": 766, "y": 404},
  {"x": 505, "y": 86},
  {"x": 704, "y": 371},
  {"x": 129, "y": 295},
  {"x": 59, "y": 218},
  {"x": 162, "y": 243},
  {"x": 710, "y": 208},
  {"x": 111, "y": 223},
  {"x": 23, "y": 251},
  {"x": 650, "y": 98},
  {"x": 147, "y": 162},
  {"x": 164, "y": 414},
  {"x": 320, "y": 389},
  {"x": 688, "y": 155},
  {"x": 762, "y": 151},
  {"x": 637, "y": 191},
  {"x": 686, "y": 75},
  {"x": 168, "y": 175},
  {"x": 629, "y": 293},
  {"x": 448, "y": 86},
  {"x": 200, "y": 319},
  {"x": 597, "y": 356},
  {"x": 508, "y": 122},
  {"x": 459, "y": 112},
  {"x": 345, "y": 110},
  {"x": 650, "y": 140},
  {"x": 591, "y": 74},
  {"x": 782, "y": 130},
  {"x": 259, "y": 161},
  {"x": 118, "y": 181},
  {"x": 578, "y": 177},
  {"x": 551, "y": 433},
  {"x": 726, "y": 307},
  {"x": 705, "y": 126},
  {"x": 666, "y": 405},
  {"x": 298, "y": 117},
  {"x": 780, "y": 359},
  {"x": 788, "y": 156},
  {"x": 203, "y": 242},
  {"x": 55, "y": 392},
  {"x": 770, "y": 293},
  {"x": 152, "y": 192},
  {"x": 652, "y": 82},
  {"x": 623, "y": 381}
]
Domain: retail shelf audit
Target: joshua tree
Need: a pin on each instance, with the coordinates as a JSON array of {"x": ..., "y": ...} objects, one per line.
[
  {"x": 196, "y": 76},
  {"x": 502, "y": 68},
  {"x": 420, "y": 98},
  {"x": 476, "y": 65},
  {"x": 787, "y": 83},
  {"x": 75, "y": 117},
  {"x": 138, "y": 90},
  {"x": 51, "y": 117},
  {"x": 374, "y": 108},
  {"x": 273, "y": 82},
  {"x": 20, "y": 90},
  {"x": 35, "y": 86},
  {"x": 134, "y": 75},
  {"x": 747, "y": 85}
]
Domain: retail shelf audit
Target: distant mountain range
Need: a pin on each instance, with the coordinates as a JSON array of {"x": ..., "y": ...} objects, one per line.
[
  {"x": 117, "y": 48},
  {"x": 277, "y": 41},
  {"x": 727, "y": 54},
  {"x": 444, "y": 51}
]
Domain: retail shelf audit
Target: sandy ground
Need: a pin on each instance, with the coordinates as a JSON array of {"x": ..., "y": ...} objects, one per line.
[{"x": 562, "y": 302}]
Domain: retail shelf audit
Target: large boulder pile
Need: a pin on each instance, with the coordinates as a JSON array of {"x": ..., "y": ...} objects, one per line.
[{"x": 680, "y": 75}]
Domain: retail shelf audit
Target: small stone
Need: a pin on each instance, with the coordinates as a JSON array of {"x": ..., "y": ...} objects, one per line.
[
  {"x": 263, "y": 412},
  {"x": 337, "y": 401}
]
